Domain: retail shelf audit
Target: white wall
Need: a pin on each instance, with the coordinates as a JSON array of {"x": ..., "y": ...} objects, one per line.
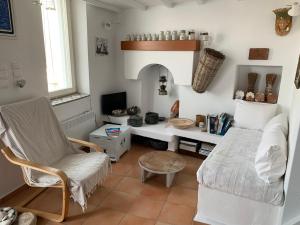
[
  {"x": 101, "y": 68},
  {"x": 26, "y": 49},
  {"x": 291, "y": 213},
  {"x": 80, "y": 44},
  {"x": 235, "y": 27},
  {"x": 149, "y": 85}
]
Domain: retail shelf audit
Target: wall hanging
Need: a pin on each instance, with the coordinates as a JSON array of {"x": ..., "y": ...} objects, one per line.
[
  {"x": 297, "y": 77},
  {"x": 163, "y": 80},
  {"x": 283, "y": 22},
  {"x": 208, "y": 66},
  {"x": 258, "y": 54},
  {"x": 101, "y": 46},
  {"x": 6, "y": 18}
]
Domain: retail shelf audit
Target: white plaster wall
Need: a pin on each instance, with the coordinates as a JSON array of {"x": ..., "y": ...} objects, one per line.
[
  {"x": 101, "y": 68},
  {"x": 291, "y": 213},
  {"x": 149, "y": 85},
  {"x": 27, "y": 49},
  {"x": 80, "y": 44},
  {"x": 235, "y": 26}
]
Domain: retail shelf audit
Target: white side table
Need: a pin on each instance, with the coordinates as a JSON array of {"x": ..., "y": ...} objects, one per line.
[{"x": 113, "y": 146}]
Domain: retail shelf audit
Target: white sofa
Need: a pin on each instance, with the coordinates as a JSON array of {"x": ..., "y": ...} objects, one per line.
[
  {"x": 230, "y": 192},
  {"x": 242, "y": 180}
]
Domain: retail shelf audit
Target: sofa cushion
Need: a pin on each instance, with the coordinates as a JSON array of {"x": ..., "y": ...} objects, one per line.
[
  {"x": 271, "y": 156},
  {"x": 281, "y": 121},
  {"x": 253, "y": 115}
]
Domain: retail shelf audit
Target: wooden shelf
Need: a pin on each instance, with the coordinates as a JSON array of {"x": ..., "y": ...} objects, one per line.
[{"x": 193, "y": 45}]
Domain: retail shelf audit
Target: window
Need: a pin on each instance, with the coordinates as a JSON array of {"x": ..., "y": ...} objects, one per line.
[{"x": 57, "y": 38}]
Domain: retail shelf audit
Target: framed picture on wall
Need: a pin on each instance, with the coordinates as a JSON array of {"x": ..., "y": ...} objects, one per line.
[
  {"x": 297, "y": 77},
  {"x": 101, "y": 46},
  {"x": 6, "y": 18}
]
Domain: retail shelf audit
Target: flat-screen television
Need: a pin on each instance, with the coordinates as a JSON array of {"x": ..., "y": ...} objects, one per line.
[{"x": 112, "y": 102}]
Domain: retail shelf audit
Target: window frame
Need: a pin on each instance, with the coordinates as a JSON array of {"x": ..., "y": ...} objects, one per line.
[{"x": 71, "y": 70}]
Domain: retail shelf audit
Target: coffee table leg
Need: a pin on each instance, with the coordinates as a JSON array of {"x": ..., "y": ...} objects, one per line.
[
  {"x": 169, "y": 179},
  {"x": 143, "y": 175}
]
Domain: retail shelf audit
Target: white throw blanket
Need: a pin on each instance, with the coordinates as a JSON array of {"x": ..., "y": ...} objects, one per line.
[
  {"x": 230, "y": 168},
  {"x": 31, "y": 129}
]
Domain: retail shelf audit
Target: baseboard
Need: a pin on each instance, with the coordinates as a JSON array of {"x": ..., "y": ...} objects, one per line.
[{"x": 13, "y": 193}]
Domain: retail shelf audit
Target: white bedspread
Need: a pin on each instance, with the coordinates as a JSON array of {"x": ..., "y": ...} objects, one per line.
[{"x": 230, "y": 168}]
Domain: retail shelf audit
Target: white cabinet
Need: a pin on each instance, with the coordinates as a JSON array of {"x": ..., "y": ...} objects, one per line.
[{"x": 113, "y": 146}]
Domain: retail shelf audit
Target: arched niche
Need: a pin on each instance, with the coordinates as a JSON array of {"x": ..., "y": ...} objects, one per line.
[{"x": 149, "y": 86}]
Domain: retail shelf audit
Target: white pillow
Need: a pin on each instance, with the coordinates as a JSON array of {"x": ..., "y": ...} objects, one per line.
[
  {"x": 281, "y": 121},
  {"x": 271, "y": 156},
  {"x": 253, "y": 115}
]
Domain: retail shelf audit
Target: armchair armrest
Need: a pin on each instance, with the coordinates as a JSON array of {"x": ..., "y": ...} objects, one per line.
[
  {"x": 97, "y": 148},
  {"x": 9, "y": 155}
]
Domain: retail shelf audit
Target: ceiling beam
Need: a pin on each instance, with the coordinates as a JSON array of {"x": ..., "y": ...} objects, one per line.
[
  {"x": 103, "y": 5},
  {"x": 136, "y": 4},
  {"x": 168, "y": 3}
]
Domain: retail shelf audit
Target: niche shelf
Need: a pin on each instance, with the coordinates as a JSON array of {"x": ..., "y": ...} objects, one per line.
[
  {"x": 262, "y": 70},
  {"x": 187, "y": 45}
]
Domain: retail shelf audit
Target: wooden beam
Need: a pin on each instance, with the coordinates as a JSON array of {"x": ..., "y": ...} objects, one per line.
[
  {"x": 103, "y": 5},
  {"x": 168, "y": 3},
  {"x": 136, "y": 4}
]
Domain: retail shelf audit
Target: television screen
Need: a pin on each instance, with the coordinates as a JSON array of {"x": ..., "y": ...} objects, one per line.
[{"x": 112, "y": 102}]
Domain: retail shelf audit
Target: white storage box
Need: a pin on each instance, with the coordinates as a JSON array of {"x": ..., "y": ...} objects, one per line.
[{"x": 113, "y": 146}]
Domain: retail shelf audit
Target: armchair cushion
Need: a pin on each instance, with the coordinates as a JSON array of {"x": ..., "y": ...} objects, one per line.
[{"x": 82, "y": 170}]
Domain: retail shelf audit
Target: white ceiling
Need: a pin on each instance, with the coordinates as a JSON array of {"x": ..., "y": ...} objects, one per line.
[{"x": 142, "y": 4}]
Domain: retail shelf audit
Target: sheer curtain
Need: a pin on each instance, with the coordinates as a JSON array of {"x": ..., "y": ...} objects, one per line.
[{"x": 57, "y": 45}]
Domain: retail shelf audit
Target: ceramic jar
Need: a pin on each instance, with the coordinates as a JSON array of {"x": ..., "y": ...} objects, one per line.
[
  {"x": 161, "y": 36},
  {"x": 168, "y": 36},
  {"x": 149, "y": 38},
  {"x": 182, "y": 35},
  {"x": 143, "y": 38},
  {"x": 192, "y": 35},
  {"x": 154, "y": 37},
  {"x": 174, "y": 35}
]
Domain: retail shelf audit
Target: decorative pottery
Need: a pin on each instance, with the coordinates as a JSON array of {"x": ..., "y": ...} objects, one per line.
[
  {"x": 250, "y": 96},
  {"x": 283, "y": 22},
  {"x": 272, "y": 98},
  {"x": 252, "y": 77},
  {"x": 270, "y": 81},
  {"x": 260, "y": 97},
  {"x": 239, "y": 94},
  {"x": 181, "y": 123}
]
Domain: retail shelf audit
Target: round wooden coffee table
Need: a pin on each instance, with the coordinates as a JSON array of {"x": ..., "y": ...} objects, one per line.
[{"x": 159, "y": 162}]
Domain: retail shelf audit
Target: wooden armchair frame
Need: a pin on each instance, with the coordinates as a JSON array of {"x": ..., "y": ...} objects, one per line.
[{"x": 63, "y": 184}]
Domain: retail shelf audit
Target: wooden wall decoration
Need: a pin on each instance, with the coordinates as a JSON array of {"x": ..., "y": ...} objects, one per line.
[
  {"x": 283, "y": 22},
  {"x": 259, "y": 54},
  {"x": 297, "y": 77}
]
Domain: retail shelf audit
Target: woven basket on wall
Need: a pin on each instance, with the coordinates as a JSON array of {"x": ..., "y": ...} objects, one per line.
[{"x": 208, "y": 66}]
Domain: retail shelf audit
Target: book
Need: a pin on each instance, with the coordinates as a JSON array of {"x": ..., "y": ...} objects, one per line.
[
  {"x": 113, "y": 132},
  {"x": 188, "y": 148},
  {"x": 213, "y": 124},
  {"x": 207, "y": 146},
  {"x": 204, "y": 152}
]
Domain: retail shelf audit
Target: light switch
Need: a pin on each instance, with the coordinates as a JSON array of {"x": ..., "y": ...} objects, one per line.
[
  {"x": 4, "y": 76},
  {"x": 17, "y": 71}
]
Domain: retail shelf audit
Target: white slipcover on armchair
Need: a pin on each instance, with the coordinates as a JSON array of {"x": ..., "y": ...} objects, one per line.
[{"x": 34, "y": 140}]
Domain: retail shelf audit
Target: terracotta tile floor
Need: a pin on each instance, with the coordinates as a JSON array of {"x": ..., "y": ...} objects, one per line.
[{"x": 124, "y": 200}]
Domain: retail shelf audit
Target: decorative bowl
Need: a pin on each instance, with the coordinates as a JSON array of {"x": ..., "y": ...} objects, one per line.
[{"x": 181, "y": 123}]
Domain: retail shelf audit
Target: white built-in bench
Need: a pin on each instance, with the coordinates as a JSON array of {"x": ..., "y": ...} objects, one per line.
[{"x": 166, "y": 132}]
